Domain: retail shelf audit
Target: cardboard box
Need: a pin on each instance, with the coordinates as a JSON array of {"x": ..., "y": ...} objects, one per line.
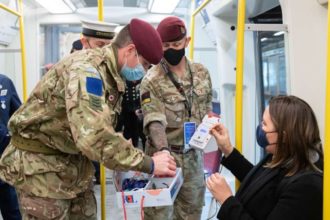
[{"x": 157, "y": 192}]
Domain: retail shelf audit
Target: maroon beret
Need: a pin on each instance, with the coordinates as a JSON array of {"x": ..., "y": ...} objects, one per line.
[
  {"x": 146, "y": 40},
  {"x": 171, "y": 29}
]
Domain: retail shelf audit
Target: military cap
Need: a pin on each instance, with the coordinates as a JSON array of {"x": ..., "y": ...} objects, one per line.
[
  {"x": 146, "y": 40},
  {"x": 98, "y": 29},
  {"x": 171, "y": 29}
]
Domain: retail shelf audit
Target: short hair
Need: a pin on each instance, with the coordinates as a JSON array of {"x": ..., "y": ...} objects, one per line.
[
  {"x": 76, "y": 45},
  {"x": 298, "y": 134},
  {"x": 123, "y": 38}
]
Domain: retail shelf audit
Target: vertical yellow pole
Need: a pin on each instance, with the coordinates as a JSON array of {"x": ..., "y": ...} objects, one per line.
[
  {"x": 239, "y": 77},
  {"x": 192, "y": 31},
  {"x": 100, "y": 10},
  {"x": 22, "y": 41},
  {"x": 102, "y": 169},
  {"x": 326, "y": 173},
  {"x": 192, "y": 35}
]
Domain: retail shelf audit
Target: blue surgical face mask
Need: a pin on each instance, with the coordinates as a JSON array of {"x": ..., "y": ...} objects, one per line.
[
  {"x": 132, "y": 74},
  {"x": 261, "y": 137}
]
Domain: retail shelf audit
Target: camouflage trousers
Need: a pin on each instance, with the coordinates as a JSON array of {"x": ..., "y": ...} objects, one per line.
[
  {"x": 82, "y": 207},
  {"x": 190, "y": 200}
]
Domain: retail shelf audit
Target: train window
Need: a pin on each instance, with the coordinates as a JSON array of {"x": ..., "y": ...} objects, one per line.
[
  {"x": 56, "y": 42},
  {"x": 273, "y": 64}
]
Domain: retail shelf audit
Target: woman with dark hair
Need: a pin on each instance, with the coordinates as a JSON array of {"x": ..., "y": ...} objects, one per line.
[{"x": 288, "y": 183}]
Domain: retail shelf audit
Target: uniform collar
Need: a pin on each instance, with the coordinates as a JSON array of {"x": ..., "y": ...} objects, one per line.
[
  {"x": 110, "y": 57},
  {"x": 189, "y": 66}
]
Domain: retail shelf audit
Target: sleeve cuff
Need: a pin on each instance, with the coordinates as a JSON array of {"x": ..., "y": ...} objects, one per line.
[
  {"x": 231, "y": 157},
  {"x": 147, "y": 165}
]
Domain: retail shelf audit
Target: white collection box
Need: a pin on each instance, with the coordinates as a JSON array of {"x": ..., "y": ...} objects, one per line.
[{"x": 157, "y": 192}]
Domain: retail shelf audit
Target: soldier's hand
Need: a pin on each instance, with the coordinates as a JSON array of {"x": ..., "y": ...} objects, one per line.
[
  {"x": 139, "y": 114},
  {"x": 162, "y": 151},
  {"x": 164, "y": 164}
]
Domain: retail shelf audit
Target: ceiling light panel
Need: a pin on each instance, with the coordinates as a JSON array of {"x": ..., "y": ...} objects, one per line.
[{"x": 162, "y": 6}]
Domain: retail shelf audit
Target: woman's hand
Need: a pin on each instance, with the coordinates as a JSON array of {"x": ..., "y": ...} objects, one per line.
[
  {"x": 221, "y": 135},
  {"x": 219, "y": 187}
]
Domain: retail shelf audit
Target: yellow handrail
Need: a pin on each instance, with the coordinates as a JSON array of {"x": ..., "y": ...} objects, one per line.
[
  {"x": 192, "y": 35},
  {"x": 201, "y": 7},
  {"x": 192, "y": 27},
  {"x": 10, "y": 10},
  {"x": 23, "y": 52},
  {"x": 239, "y": 77},
  {"x": 326, "y": 173},
  {"x": 22, "y": 42},
  {"x": 102, "y": 169}
]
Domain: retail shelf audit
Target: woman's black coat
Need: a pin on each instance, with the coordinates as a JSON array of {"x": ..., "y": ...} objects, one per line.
[{"x": 266, "y": 194}]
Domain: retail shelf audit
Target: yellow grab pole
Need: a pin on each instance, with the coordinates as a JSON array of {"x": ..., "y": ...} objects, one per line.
[
  {"x": 100, "y": 10},
  {"x": 10, "y": 10},
  {"x": 201, "y": 7},
  {"x": 102, "y": 169},
  {"x": 192, "y": 26},
  {"x": 326, "y": 172},
  {"x": 239, "y": 77},
  {"x": 192, "y": 35},
  {"x": 22, "y": 40}
]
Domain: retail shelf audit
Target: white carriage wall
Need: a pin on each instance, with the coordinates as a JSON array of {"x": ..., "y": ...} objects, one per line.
[
  {"x": 205, "y": 51},
  {"x": 307, "y": 24}
]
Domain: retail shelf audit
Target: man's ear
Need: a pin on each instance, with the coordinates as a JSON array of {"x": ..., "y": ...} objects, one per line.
[
  {"x": 84, "y": 42},
  {"x": 130, "y": 48}
]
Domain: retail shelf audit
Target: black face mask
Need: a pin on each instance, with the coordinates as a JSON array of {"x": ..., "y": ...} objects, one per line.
[{"x": 173, "y": 56}]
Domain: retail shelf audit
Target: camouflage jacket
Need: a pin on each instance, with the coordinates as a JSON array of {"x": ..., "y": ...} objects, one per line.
[
  {"x": 72, "y": 109},
  {"x": 162, "y": 102}
]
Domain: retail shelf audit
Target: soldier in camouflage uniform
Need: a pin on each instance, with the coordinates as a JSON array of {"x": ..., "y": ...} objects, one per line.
[
  {"x": 166, "y": 109},
  {"x": 68, "y": 121},
  {"x": 96, "y": 34}
]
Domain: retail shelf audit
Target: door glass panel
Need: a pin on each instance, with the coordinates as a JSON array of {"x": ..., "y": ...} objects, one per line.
[{"x": 274, "y": 76}]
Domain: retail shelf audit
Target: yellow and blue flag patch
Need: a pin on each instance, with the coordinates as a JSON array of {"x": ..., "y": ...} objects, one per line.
[
  {"x": 145, "y": 98},
  {"x": 94, "y": 86}
]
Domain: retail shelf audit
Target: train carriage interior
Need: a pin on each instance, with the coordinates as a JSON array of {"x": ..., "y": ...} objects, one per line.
[{"x": 284, "y": 53}]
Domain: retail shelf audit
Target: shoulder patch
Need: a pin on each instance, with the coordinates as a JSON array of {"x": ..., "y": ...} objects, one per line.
[
  {"x": 145, "y": 98},
  {"x": 94, "y": 86}
]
